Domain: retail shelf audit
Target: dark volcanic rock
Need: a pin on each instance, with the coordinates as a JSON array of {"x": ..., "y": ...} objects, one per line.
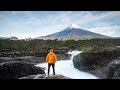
[
  {"x": 37, "y": 76},
  {"x": 43, "y": 76},
  {"x": 29, "y": 59},
  {"x": 98, "y": 63},
  {"x": 16, "y": 69},
  {"x": 113, "y": 69},
  {"x": 9, "y": 53},
  {"x": 37, "y": 53},
  {"x": 57, "y": 77},
  {"x": 117, "y": 74},
  {"x": 63, "y": 56},
  {"x": 32, "y": 59}
]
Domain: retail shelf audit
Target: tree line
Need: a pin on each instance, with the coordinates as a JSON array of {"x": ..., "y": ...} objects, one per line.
[{"x": 39, "y": 44}]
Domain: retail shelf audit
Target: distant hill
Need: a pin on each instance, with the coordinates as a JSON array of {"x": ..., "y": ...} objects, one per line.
[
  {"x": 73, "y": 32},
  {"x": 10, "y": 38}
]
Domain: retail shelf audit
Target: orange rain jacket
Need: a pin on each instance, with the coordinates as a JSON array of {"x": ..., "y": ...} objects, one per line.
[{"x": 51, "y": 58}]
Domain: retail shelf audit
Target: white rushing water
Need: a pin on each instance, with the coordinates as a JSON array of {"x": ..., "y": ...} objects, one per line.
[{"x": 66, "y": 68}]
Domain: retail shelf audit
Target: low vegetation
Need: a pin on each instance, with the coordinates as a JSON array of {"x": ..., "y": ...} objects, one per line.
[{"x": 96, "y": 45}]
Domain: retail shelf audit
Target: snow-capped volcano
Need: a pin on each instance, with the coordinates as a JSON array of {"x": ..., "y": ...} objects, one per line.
[
  {"x": 73, "y": 32},
  {"x": 73, "y": 26}
]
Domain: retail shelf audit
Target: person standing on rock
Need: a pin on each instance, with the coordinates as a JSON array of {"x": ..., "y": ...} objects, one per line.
[{"x": 51, "y": 59}]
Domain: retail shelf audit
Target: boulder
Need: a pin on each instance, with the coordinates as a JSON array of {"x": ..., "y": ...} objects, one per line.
[{"x": 16, "y": 69}]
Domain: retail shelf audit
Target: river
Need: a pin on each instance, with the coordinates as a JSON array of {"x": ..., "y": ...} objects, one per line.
[{"x": 66, "y": 68}]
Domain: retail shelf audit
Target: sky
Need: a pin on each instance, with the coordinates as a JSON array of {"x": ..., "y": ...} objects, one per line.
[{"x": 25, "y": 24}]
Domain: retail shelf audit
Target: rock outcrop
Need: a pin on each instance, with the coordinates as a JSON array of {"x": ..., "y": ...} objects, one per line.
[
  {"x": 101, "y": 64},
  {"x": 17, "y": 69}
]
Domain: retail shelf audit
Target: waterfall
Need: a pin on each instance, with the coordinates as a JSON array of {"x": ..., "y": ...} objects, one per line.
[{"x": 73, "y": 53}]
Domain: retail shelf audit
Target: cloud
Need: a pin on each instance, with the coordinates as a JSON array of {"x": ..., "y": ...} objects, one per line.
[
  {"x": 87, "y": 17},
  {"x": 106, "y": 30},
  {"x": 40, "y": 23}
]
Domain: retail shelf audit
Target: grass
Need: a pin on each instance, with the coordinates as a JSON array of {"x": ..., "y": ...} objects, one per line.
[{"x": 97, "y": 49}]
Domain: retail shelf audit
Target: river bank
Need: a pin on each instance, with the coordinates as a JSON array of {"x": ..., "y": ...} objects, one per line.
[{"x": 103, "y": 64}]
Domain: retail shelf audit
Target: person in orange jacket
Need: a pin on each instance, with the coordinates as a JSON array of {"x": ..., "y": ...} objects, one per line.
[{"x": 51, "y": 59}]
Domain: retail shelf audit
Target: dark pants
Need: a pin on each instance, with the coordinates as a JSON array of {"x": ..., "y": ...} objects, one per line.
[{"x": 53, "y": 66}]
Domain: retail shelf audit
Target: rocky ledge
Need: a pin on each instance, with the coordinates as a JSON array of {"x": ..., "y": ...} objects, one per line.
[{"x": 44, "y": 76}]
